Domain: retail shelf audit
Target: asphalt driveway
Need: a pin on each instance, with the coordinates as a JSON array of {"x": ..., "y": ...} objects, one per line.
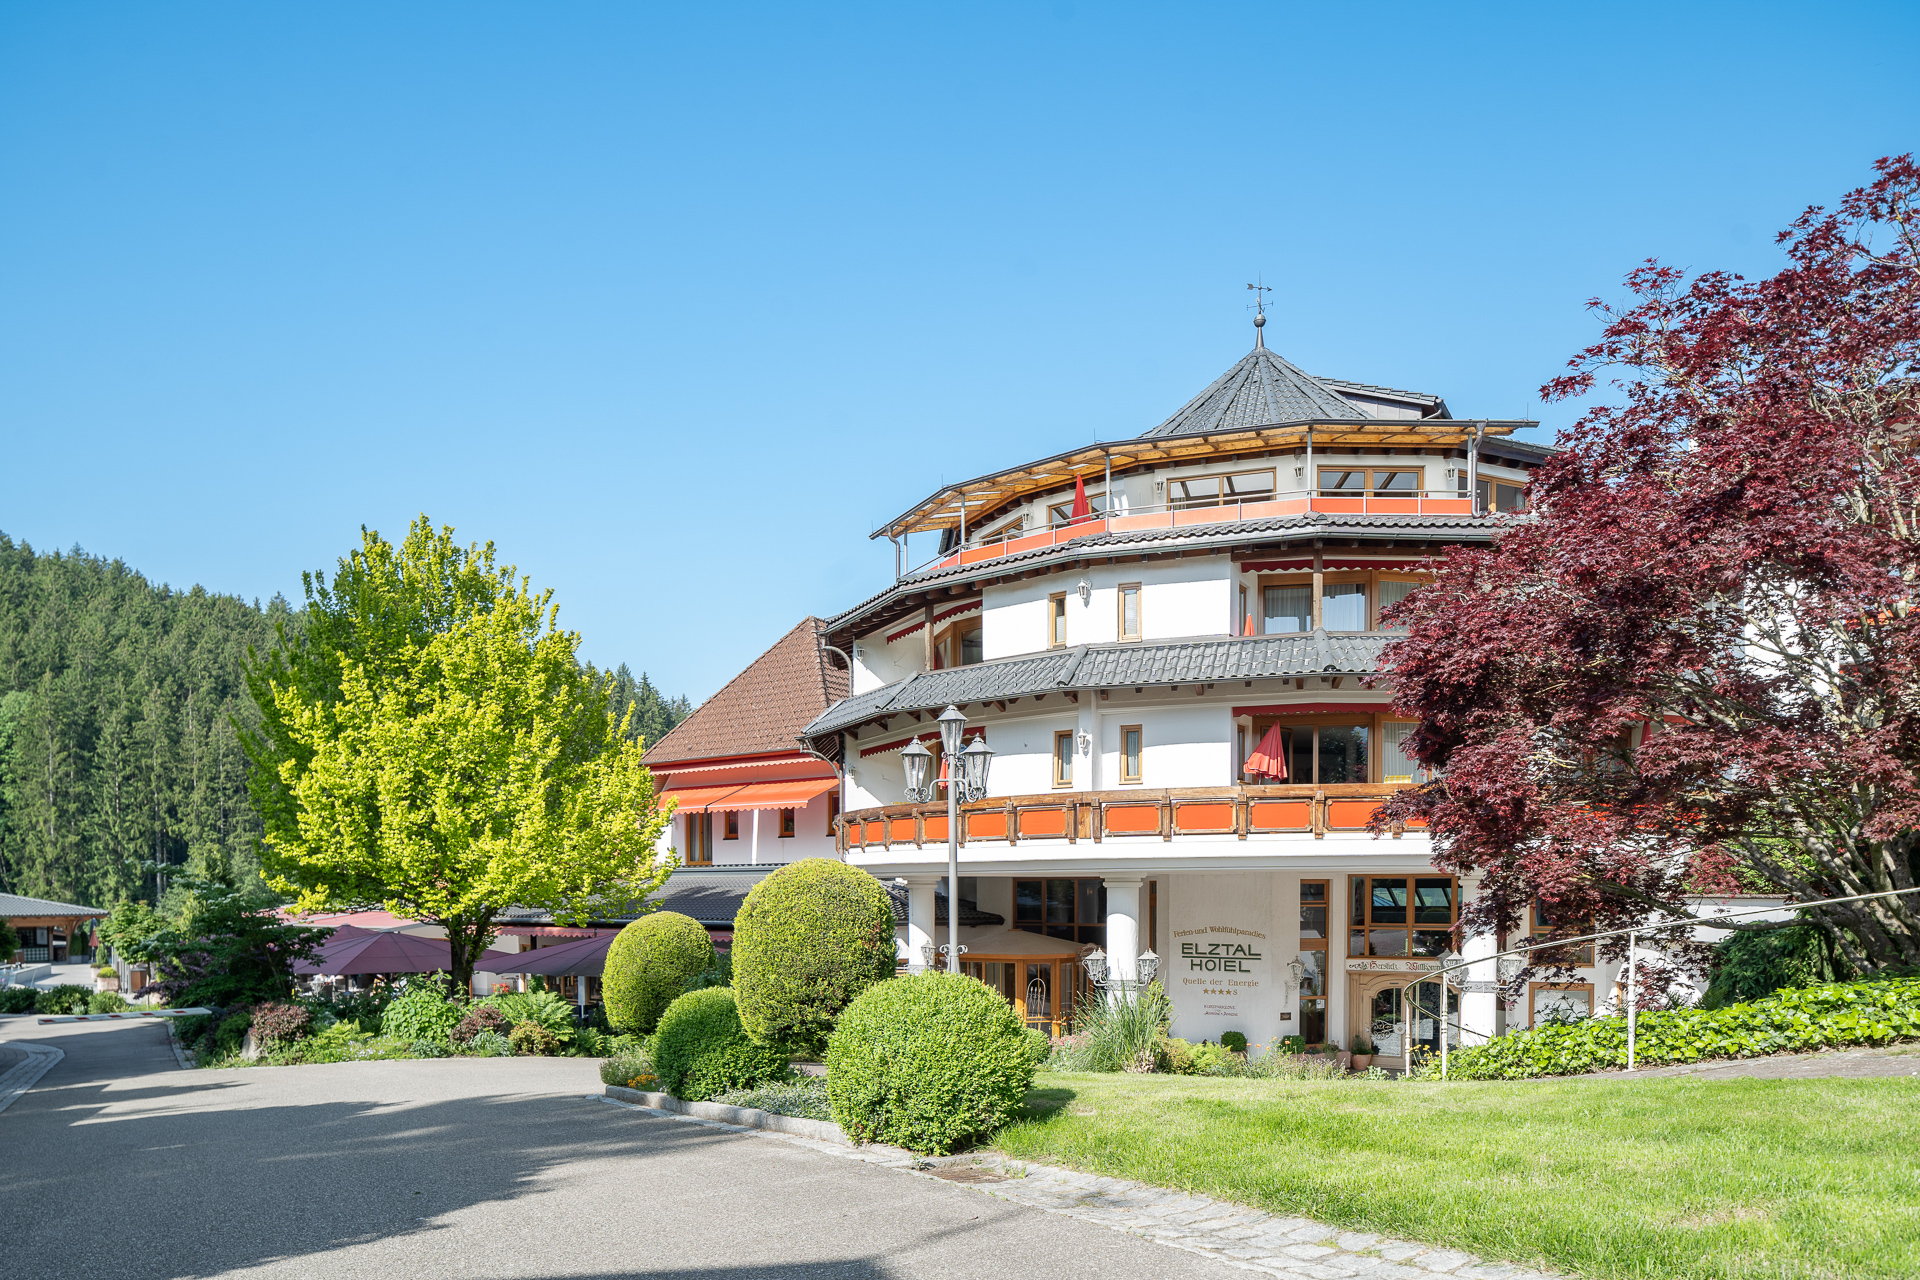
[{"x": 118, "y": 1164}]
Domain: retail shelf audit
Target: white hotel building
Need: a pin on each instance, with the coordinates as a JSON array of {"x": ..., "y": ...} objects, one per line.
[{"x": 1122, "y": 667}]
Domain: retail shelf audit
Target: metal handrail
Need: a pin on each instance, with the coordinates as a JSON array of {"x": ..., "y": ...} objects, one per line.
[{"x": 1632, "y": 933}]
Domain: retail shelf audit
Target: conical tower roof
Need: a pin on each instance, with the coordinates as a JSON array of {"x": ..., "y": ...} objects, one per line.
[{"x": 1259, "y": 390}]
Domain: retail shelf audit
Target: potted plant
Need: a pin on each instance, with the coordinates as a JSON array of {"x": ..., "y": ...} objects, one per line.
[{"x": 1362, "y": 1051}]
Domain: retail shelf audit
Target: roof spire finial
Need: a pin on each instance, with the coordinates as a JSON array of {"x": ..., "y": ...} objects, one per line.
[{"x": 1260, "y": 310}]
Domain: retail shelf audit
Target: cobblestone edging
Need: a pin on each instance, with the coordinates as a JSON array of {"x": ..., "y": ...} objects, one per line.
[
  {"x": 1288, "y": 1248},
  {"x": 21, "y": 1066}
]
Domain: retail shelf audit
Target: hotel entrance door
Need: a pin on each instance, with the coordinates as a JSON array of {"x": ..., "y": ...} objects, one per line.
[{"x": 1389, "y": 1017}]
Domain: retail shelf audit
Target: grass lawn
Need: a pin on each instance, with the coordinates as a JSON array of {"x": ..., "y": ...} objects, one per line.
[{"x": 1671, "y": 1178}]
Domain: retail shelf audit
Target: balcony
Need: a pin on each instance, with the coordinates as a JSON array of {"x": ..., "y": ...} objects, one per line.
[{"x": 1132, "y": 814}]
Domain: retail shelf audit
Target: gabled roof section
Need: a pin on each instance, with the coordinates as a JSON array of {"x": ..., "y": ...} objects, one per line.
[
  {"x": 1259, "y": 390},
  {"x": 16, "y": 906},
  {"x": 1428, "y": 404},
  {"x": 762, "y": 710}
]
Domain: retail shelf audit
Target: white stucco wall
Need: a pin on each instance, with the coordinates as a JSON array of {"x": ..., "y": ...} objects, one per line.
[{"x": 1181, "y": 598}]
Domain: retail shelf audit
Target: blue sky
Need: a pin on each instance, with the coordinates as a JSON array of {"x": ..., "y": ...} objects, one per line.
[{"x": 676, "y": 303}]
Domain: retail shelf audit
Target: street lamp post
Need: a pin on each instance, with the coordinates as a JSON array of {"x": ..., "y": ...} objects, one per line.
[{"x": 966, "y": 779}]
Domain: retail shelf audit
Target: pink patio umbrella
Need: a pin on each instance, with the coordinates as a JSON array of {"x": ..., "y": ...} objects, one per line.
[
  {"x": 377, "y": 951},
  {"x": 585, "y": 958}
]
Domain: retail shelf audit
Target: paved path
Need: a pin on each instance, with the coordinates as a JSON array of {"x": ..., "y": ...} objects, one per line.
[
  {"x": 120, "y": 1166},
  {"x": 1845, "y": 1064}
]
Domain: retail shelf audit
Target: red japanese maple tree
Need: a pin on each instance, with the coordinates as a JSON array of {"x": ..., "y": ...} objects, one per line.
[{"x": 1697, "y": 662}]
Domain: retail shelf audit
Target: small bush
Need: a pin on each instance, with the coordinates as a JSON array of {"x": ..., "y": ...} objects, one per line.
[
  {"x": 1039, "y": 1045},
  {"x": 429, "y": 1049},
  {"x": 805, "y": 1097},
  {"x": 66, "y": 998},
  {"x": 1825, "y": 1017},
  {"x": 632, "y": 1069},
  {"x": 543, "y": 1009},
  {"x": 701, "y": 1048},
  {"x": 490, "y": 1044},
  {"x": 1752, "y": 966},
  {"x": 1114, "y": 1033},
  {"x": 17, "y": 999},
  {"x": 648, "y": 967},
  {"x": 421, "y": 1012},
  {"x": 1233, "y": 1041},
  {"x": 533, "y": 1040},
  {"x": 482, "y": 1017},
  {"x": 929, "y": 1061},
  {"x": 278, "y": 1023},
  {"x": 807, "y": 940},
  {"x": 107, "y": 1002}
]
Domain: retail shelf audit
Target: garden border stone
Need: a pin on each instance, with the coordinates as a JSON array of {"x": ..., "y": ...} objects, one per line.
[{"x": 741, "y": 1117}]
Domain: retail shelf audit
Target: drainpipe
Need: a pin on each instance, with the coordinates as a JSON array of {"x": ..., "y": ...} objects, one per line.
[{"x": 1473, "y": 467}]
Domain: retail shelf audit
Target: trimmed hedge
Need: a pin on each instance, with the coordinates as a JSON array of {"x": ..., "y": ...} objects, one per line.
[
  {"x": 648, "y": 967},
  {"x": 701, "y": 1049},
  {"x": 930, "y": 1061},
  {"x": 807, "y": 940},
  {"x": 1825, "y": 1017}
]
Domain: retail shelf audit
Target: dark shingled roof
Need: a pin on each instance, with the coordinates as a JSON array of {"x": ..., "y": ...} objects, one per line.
[
  {"x": 971, "y": 916},
  {"x": 711, "y": 895},
  {"x": 1113, "y": 666},
  {"x": 1260, "y": 389},
  {"x": 762, "y": 710}
]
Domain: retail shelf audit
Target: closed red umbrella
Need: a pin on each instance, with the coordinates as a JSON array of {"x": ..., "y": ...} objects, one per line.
[
  {"x": 1269, "y": 759},
  {"x": 377, "y": 951},
  {"x": 584, "y": 958},
  {"x": 1082, "y": 509}
]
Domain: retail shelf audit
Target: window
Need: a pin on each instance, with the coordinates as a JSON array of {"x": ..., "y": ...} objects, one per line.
[
  {"x": 1343, "y": 606},
  {"x": 1401, "y": 915},
  {"x": 730, "y": 826},
  {"x": 1394, "y": 591},
  {"x": 833, "y": 812},
  {"x": 1056, "y": 621},
  {"x": 699, "y": 839},
  {"x": 786, "y": 824},
  {"x": 1559, "y": 1002},
  {"x": 1395, "y": 764},
  {"x": 1215, "y": 491},
  {"x": 1063, "y": 758},
  {"x": 1313, "y": 954},
  {"x": 1369, "y": 482},
  {"x": 1286, "y": 610},
  {"x": 1130, "y": 751},
  {"x": 1549, "y": 924},
  {"x": 958, "y": 644},
  {"x": 1286, "y": 606},
  {"x": 1318, "y": 753},
  {"x": 1072, "y": 909},
  {"x": 1497, "y": 495},
  {"x": 1061, "y": 512},
  {"x": 1129, "y": 620}
]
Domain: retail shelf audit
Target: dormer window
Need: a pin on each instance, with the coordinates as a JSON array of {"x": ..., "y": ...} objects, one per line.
[
  {"x": 1498, "y": 495},
  {"x": 1219, "y": 490},
  {"x": 1369, "y": 482}
]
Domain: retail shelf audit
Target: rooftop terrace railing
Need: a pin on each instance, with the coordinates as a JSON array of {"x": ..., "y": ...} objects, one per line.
[{"x": 978, "y": 550}]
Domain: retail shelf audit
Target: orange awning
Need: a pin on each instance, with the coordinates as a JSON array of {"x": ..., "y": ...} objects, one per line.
[{"x": 793, "y": 794}]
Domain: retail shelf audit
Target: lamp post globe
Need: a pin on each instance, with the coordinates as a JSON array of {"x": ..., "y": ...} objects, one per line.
[
  {"x": 1095, "y": 962},
  {"x": 952, "y": 724},
  {"x": 918, "y": 762},
  {"x": 974, "y": 763}
]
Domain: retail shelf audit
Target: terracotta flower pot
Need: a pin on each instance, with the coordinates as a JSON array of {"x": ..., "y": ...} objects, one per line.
[{"x": 1361, "y": 1061}]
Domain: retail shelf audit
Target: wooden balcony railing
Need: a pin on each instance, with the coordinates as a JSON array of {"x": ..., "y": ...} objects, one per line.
[{"x": 1073, "y": 816}]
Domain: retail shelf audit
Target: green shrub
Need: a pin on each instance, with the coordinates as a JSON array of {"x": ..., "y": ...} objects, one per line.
[
  {"x": 807, "y": 940},
  {"x": 278, "y": 1023},
  {"x": 805, "y": 1097},
  {"x": 543, "y": 1009},
  {"x": 1233, "y": 1041},
  {"x": 107, "y": 1002},
  {"x": 930, "y": 1061},
  {"x": 534, "y": 1040},
  {"x": 648, "y": 967},
  {"x": 717, "y": 974},
  {"x": 66, "y": 998},
  {"x": 1039, "y": 1045},
  {"x": 1752, "y": 966},
  {"x": 1825, "y": 1017},
  {"x": 490, "y": 1044},
  {"x": 1207, "y": 1057},
  {"x": 482, "y": 1017},
  {"x": 421, "y": 1012},
  {"x": 631, "y": 1069},
  {"x": 17, "y": 999},
  {"x": 230, "y": 1032},
  {"x": 701, "y": 1048},
  {"x": 1111, "y": 1033}
]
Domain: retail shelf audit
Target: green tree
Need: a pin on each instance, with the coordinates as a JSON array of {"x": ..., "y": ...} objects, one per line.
[{"x": 431, "y": 743}]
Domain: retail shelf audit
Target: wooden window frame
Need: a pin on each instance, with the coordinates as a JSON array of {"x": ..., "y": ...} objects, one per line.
[
  {"x": 1083, "y": 930},
  {"x": 1057, "y": 620},
  {"x": 1139, "y": 753},
  {"x": 1316, "y": 585},
  {"x": 833, "y": 813},
  {"x": 1372, "y": 490},
  {"x": 1539, "y": 931},
  {"x": 1316, "y": 722},
  {"x": 699, "y": 840},
  {"x": 730, "y": 825},
  {"x": 789, "y": 824},
  {"x": 1120, "y": 611},
  {"x": 1534, "y": 988},
  {"x": 1366, "y": 928},
  {"x": 1490, "y": 504},
  {"x": 949, "y": 642},
  {"x": 1322, "y": 944},
  {"x": 1094, "y": 499},
  {"x": 1063, "y": 777},
  {"x": 1225, "y": 500}
]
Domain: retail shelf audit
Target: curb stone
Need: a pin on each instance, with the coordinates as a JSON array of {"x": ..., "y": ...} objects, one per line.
[{"x": 1269, "y": 1244}]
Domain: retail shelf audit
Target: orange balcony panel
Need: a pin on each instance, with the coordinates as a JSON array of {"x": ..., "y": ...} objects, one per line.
[
  {"x": 876, "y": 833},
  {"x": 1448, "y": 506},
  {"x": 1042, "y": 822},
  {"x": 1262, "y": 510},
  {"x": 1279, "y": 815},
  {"x": 1343, "y": 506},
  {"x": 1202, "y": 817},
  {"x": 987, "y": 826},
  {"x": 1202, "y": 515},
  {"x": 1416, "y": 824},
  {"x": 1144, "y": 520},
  {"x": 936, "y": 829},
  {"x": 853, "y": 836},
  {"x": 1350, "y": 815},
  {"x": 900, "y": 831},
  {"x": 1131, "y": 819}
]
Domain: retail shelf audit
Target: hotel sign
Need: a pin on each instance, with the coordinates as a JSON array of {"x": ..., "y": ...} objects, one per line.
[
  {"x": 1220, "y": 974},
  {"x": 1392, "y": 966}
]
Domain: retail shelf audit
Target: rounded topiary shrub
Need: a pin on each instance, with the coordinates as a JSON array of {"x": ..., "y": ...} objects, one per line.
[
  {"x": 701, "y": 1049},
  {"x": 930, "y": 1062},
  {"x": 649, "y": 965},
  {"x": 808, "y": 939}
]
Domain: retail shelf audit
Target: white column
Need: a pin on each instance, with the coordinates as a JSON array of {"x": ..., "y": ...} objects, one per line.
[
  {"x": 920, "y": 912},
  {"x": 1123, "y": 929},
  {"x": 753, "y": 850},
  {"x": 1480, "y": 999}
]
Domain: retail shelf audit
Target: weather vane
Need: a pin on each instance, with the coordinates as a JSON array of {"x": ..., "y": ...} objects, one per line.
[{"x": 1260, "y": 310}]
